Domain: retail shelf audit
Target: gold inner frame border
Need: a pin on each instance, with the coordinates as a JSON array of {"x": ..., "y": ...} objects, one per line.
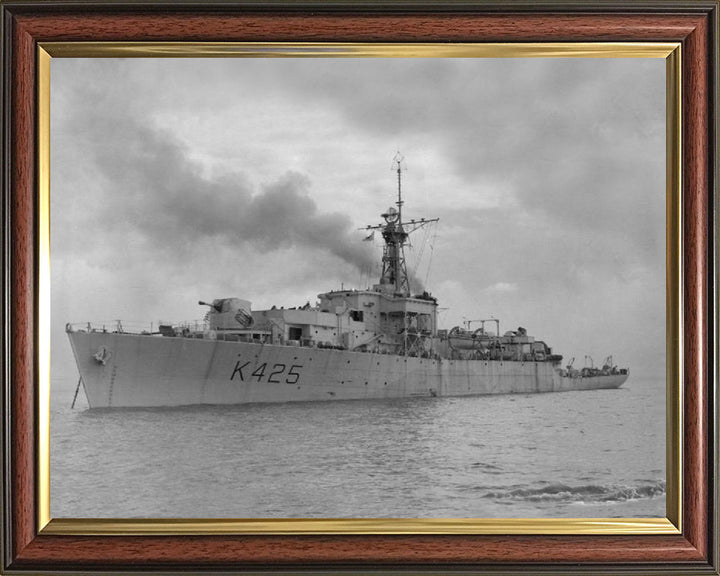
[{"x": 671, "y": 524}]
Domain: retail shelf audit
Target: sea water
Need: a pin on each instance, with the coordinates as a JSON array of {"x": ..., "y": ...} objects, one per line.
[{"x": 573, "y": 454}]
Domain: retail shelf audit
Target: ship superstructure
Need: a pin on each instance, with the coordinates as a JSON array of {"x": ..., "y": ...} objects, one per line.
[{"x": 380, "y": 342}]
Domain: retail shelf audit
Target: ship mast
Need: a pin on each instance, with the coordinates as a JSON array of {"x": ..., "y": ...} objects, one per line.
[
  {"x": 394, "y": 276},
  {"x": 394, "y": 270}
]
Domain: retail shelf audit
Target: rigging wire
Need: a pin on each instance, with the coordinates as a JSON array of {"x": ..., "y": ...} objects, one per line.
[
  {"x": 432, "y": 252},
  {"x": 421, "y": 252}
]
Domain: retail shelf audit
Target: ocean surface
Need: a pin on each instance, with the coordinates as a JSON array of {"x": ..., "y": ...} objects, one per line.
[{"x": 573, "y": 454}]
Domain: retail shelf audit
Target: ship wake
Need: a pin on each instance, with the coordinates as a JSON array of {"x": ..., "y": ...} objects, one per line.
[{"x": 586, "y": 493}]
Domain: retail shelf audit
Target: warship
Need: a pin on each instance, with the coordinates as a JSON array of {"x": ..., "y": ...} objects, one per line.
[{"x": 380, "y": 342}]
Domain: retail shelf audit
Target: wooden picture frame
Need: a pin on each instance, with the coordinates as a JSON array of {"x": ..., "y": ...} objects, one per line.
[{"x": 30, "y": 547}]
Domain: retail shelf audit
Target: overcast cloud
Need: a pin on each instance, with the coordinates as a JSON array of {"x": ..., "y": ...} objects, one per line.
[{"x": 179, "y": 180}]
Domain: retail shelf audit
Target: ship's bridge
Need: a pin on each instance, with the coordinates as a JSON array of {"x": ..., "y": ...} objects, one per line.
[{"x": 401, "y": 320}]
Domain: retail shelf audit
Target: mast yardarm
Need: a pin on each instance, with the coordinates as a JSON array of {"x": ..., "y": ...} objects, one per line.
[{"x": 395, "y": 232}]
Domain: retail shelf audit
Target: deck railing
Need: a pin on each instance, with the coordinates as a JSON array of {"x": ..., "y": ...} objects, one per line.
[{"x": 131, "y": 327}]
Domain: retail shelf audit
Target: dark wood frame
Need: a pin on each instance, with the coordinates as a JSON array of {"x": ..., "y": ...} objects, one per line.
[{"x": 693, "y": 23}]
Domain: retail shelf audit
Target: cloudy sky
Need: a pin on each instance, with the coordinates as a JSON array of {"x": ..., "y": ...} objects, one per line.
[{"x": 175, "y": 180}]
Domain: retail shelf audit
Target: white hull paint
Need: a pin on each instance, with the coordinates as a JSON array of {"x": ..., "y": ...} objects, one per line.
[{"x": 145, "y": 371}]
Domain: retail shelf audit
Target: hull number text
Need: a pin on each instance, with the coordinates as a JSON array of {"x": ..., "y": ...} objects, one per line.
[{"x": 272, "y": 373}]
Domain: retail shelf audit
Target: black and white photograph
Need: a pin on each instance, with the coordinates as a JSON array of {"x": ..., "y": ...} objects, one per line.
[{"x": 287, "y": 287}]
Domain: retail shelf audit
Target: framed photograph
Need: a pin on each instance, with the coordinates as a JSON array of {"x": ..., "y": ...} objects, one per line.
[{"x": 311, "y": 287}]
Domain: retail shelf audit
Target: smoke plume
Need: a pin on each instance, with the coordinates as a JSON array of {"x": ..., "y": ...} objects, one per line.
[{"x": 162, "y": 193}]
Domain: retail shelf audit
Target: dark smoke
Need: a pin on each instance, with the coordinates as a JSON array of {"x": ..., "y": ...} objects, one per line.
[{"x": 162, "y": 194}]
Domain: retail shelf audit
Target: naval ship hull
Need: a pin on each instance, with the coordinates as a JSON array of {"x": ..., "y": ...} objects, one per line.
[{"x": 134, "y": 370}]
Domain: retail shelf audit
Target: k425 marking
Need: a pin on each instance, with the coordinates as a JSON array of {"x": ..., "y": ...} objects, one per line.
[{"x": 272, "y": 373}]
